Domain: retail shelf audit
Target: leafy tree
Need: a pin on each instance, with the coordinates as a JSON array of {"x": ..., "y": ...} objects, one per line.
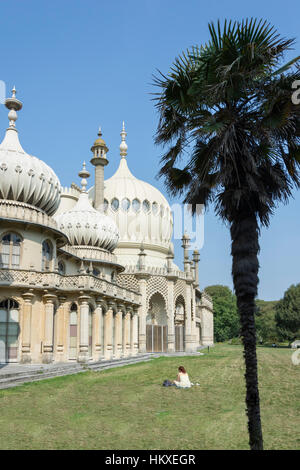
[
  {"x": 226, "y": 319},
  {"x": 265, "y": 320},
  {"x": 232, "y": 131},
  {"x": 288, "y": 314}
]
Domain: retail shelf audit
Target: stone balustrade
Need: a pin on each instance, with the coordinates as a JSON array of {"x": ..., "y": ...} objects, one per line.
[
  {"x": 52, "y": 280},
  {"x": 156, "y": 271}
]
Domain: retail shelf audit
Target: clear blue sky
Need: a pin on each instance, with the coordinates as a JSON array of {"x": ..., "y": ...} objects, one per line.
[{"x": 78, "y": 64}]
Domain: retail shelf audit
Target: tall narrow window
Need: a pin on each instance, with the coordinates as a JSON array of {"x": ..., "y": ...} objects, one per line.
[
  {"x": 73, "y": 332},
  {"x": 9, "y": 330},
  {"x": 61, "y": 268},
  {"x": 10, "y": 250},
  {"x": 90, "y": 331},
  {"x": 47, "y": 254}
]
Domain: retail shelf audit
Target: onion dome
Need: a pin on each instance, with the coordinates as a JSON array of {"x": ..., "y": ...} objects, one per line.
[
  {"x": 99, "y": 143},
  {"x": 23, "y": 177},
  {"x": 84, "y": 225},
  {"x": 139, "y": 209}
]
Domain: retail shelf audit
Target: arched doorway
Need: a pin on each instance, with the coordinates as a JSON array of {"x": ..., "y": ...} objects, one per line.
[
  {"x": 156, "y": 325},
  {"x": 9, "y": 330},
  {"x": 179, "y": 322}
]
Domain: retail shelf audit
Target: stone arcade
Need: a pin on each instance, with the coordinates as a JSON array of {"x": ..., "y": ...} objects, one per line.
[{"x": 85, "y": 274}]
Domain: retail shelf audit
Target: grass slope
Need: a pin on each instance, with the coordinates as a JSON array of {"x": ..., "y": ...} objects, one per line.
[{"x": 127, "y": 408}]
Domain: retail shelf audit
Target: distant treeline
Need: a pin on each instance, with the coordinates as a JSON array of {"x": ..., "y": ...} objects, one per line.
[{"x": 276, "y": 320}]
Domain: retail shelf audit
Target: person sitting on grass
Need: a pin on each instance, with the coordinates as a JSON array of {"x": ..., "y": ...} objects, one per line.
[{"x": 183, "y": 380}]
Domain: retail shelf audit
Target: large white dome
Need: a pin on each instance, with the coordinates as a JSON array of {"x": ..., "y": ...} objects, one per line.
[
  {"x": 140, "y": 211},
  {"x": 23, "y": 177},
  {"x": 86, "y": 226}
]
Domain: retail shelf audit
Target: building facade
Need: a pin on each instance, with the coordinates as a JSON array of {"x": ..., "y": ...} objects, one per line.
[{"x": 89, "y": 274}]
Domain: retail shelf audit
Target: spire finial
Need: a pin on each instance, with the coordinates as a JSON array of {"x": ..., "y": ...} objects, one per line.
[
  {"x": 99, "y": 132},
  {"x": 84, "y": 174},
  {"x": 123, "y": 145},
  {"x": 13, "y": 105}
]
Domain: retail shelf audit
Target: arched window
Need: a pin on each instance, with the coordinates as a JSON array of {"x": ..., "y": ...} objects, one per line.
[
  {"x": 105, "y": 205},
  {"x": 113, "y": 276},
  {"x": 96, "y": 272},
  {"x": 115, "y": 204},
  {"x": 10, "y": 250},
  {"x": 61, "y": 268},
  {"x": 125, "y": 204},
  {"x": 9, "y": 330},
  {"x": 136, "y": 205},
  {"x": 73, "y": 332},
  {"x": 47, "y": 254},
  {"x": 155, "y": 208},
  {"x": 146, "y": 205}
]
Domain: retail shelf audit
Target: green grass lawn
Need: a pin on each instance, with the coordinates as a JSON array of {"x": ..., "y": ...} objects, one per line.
[{"x": 127, "y": 408}]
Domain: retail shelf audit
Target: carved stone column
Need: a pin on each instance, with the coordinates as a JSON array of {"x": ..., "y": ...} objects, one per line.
[
  {"x": 108, "y": 332},
  {"x": 126, "y": 339},
  {"x": 142, "y": 310},
  {"x": 97, "y": 332},
  {"x": 188, "y": 318},
  {"x": 48, "y": 333},
  {"x": 26, "y": 327},
  {"x": 83, "y": 355},
  {"x": 134, "y": 346},
  {"x": 171, "y": 314},
  {"x": 60, "y": 325},
  {"x": 118, "y": 332}
]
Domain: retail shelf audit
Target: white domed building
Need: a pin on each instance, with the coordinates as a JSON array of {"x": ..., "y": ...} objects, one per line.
[{"x": 85, "y": 274}]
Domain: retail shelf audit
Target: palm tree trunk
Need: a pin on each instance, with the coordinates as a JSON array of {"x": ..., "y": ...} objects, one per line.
[{"x": 244, "y": 250}]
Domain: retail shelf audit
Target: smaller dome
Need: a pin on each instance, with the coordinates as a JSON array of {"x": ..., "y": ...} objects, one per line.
[
  {"x": 86, "y": 226},
  {"x": 99, "y": 142}
]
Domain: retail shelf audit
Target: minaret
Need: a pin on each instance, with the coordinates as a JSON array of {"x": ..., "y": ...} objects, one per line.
[
  {"x": 99, "y": 160},
  {"x": 196, "y": 259},
  {"x": 185, "y": 245}
]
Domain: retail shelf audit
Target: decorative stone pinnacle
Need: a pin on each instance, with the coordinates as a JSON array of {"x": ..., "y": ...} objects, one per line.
[
  {"x": 84, "y": 174},
  {"x": 13, "y": 105},
  {"x": 185, "y": 240},
  {"x": 123, "y": 145}
]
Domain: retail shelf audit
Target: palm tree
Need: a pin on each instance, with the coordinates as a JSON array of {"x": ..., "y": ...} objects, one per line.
[{"x": 232, "y": 134}]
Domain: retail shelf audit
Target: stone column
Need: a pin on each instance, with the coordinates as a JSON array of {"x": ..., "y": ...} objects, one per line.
[
  {"x": 108, "y": 327},
  {"x": 26, "y": 327},
  {"x": 118, "y": 332},
  {"x": 186, "y": 245},
  {"x": 196, "y": 259},
  {"x": 171, "y": 314},
  {"x": 97, "y": 332},
  {"x": 126, "y": 341},
  {"x": 194, "y": 327},
  {"x": 59, "y": 327},
  {"x": 188, "y": 318},
  {"x": 49, "y": 323},
  {"x": 83, "y": 355},
  {"x": 134, "y": 346},
  {"x": 142, "y": 311}
]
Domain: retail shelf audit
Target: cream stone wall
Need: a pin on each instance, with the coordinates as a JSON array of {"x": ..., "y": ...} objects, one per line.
[{"x": 31, "y": 247}]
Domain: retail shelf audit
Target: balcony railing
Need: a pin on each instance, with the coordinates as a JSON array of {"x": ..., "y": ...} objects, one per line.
[{"x": 52, "y": 280}]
